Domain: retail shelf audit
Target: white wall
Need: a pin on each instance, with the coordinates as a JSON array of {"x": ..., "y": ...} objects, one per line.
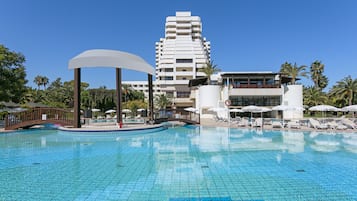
[
  {"x": 209, "y": 96},
  {"x": 293, "y": 96}
]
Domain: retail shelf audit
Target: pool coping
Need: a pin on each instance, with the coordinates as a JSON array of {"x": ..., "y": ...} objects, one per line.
[{"x": 112, "y": 128}]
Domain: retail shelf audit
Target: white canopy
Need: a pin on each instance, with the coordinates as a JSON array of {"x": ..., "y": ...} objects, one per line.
[
  {"x": 324, "y": 108},
  {"x": 110, "y": 58},
  {"x": 350, "y": 108}
]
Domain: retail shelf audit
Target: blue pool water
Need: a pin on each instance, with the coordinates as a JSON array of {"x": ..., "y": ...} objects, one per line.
[{"x": 178, "y": 164}]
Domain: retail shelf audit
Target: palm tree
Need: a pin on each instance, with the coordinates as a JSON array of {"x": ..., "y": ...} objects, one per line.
[
  {"x": 127, "y": 91},
  {"x": 345, "y": 88},
  {"x": 162, "y": 101},
  {"x": 41, "y": 80},
  {"x": 38, "y": 81},
  {"x": 316, "y": 71},
  {"x": 293, "y": 71},
  {"x": 45, "y": 81},
  {"x": 314, "y": 96},
  {"x": 209, "y": 70}
]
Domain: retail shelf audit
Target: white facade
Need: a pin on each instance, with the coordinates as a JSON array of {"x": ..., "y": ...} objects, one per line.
[
  {"x": 143, "y": 86},
  {"x": 180, "y": 55},
  {"x": 249, "y": 88},
  {"x": 293, "y": 96}
]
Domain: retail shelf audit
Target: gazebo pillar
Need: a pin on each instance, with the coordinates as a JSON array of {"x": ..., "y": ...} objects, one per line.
[
  {"x": 119, "y": 97},
  {"x": 151, "y": 99},
  {"x": 77, "y": 98}
]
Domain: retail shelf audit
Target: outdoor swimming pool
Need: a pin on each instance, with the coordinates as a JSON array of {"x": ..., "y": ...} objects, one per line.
[{"x": 179, "y": 163}]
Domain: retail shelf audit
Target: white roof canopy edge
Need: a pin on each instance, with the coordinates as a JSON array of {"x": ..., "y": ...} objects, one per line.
[{"x": 110, "y": 58}]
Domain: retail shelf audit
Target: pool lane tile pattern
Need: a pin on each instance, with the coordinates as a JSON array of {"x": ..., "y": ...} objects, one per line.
[{"x": 178, "y": 164}]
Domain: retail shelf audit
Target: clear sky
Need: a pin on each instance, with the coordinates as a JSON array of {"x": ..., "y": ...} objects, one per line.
[{"x": 245, "y": 35}]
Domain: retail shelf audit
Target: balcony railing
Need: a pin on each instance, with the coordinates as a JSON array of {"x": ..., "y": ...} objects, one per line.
[{"x": 256, "y": 85}]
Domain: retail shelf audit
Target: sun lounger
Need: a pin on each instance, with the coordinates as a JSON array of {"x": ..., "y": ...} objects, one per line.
[
  {"x": 316, "y": 124},
  {"x": 348, "y": 123},
  {"x": 293, "y": 124},
  {"x": 277, "y": 124},
  {"x": 243, "y": 123},
  {"x": 258, "y": 122},
  {"x": 337, "y": 126}
]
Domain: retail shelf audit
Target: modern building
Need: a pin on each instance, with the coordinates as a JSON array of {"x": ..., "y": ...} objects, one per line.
[
  {"x": 240, "y": 89},
  {"x": 180, "y": 56}
]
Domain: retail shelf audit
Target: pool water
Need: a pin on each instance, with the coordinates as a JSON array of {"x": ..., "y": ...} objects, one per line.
[{"x": 178, "y": 164}]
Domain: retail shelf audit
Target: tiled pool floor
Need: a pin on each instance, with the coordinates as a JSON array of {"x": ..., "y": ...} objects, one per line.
[{"x": 181, "y": 163}]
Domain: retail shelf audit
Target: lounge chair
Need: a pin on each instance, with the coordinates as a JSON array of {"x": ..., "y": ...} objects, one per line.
[
  {"x": 316, "y": 124},
  {"x": 243, "y": 122},
  {"x": 258, "y": 122},
  {"x": 348, "y": 123},
  {"x": 337, "y": 126},
  {"x": 277, "y": 124},
  {"x": 293, "y": 124}
]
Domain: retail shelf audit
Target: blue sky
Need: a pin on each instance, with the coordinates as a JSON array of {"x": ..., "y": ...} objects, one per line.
[{"x": 245, "y": 35}]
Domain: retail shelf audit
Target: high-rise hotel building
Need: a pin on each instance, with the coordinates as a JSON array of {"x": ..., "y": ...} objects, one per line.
[{"x": 180, "y": 56}]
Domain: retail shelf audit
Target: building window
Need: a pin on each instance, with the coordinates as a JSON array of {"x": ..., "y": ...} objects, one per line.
[
  {"x": 184, "y": 60},
  {"x": 168, "y": 78},
  {"x": 255, "y": 100},
  {"x": 183, "y": 94}
]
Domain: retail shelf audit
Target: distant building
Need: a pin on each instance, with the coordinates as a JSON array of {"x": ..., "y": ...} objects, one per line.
[
  {"x": 143, "y": 86},
  {"x": 180, "y": 56}
]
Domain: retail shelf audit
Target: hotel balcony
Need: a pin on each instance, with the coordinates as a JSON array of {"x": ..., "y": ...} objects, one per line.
[
  {"x": 256, "y": 86},
  {"x": 253, "y": 91}
]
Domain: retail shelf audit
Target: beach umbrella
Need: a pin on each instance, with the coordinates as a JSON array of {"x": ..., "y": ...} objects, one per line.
[
  {"x": 95, "y": 110},
  {"x": 262, "y": 109},
  {"x": 140, "y": 110},
  {"x": 350, "y": 108},
  {"x": 110, "y": 111},
  {"x": 252, "y": 109},
  {"x": 324, "y": 108},
  {"x": 126, "y": 110},
  {"x": 235, "y": 110},
  {"x": 287, "y": 108},
  {"x": 190, "y": 109}
]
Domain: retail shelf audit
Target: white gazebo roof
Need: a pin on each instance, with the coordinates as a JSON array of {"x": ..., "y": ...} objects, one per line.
[{"x": 110, "y": 58}]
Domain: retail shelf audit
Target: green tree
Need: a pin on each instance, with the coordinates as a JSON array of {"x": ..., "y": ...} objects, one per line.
[
  {"x": 293, "y": 71},
  {"x": 345, "y": 88},
  {"x": 126, "y": 90},
  {"x": 134, "y": 105},
  {"x": 41, "y": 81},
  {"x": 210, "y": 69},
  {"x": 12, "y": 75},
  {"x": 45, "y": 81},
  {"x": 38, "y": 81},
  {"x": 317, "y": 76},
  {"x": 162, "y": 101},
  {"x": 314, "y": 96}
]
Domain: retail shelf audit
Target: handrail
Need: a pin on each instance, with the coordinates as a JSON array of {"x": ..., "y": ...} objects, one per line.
[{"x": 38, "y": 116}]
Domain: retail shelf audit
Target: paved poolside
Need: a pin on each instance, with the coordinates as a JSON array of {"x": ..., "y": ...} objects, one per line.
[
  {"x": 212, "y": 122},
  {"x": 204, "y": 122}
]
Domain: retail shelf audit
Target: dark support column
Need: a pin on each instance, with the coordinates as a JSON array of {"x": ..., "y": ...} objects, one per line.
[
  {"x": 119, "y": 98},
  {"x": 77, "y": 98},
  {"x": 151, "y": 99}
]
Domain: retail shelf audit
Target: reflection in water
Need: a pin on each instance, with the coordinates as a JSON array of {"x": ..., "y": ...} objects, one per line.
[{"x": 294, "y": 141}]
